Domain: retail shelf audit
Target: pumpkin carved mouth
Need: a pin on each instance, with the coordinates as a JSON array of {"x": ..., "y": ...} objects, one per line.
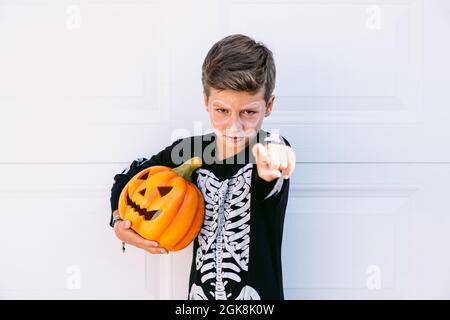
[{"x": 148, "y": 214}]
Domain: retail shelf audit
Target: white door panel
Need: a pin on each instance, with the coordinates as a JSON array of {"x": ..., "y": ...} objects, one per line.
[
  {"x": 367, "y": 231},
  {"x": 77, "y": 80}
]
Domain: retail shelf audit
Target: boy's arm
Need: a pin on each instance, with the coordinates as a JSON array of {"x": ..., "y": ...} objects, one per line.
[
  {"x": 163, "y": 158},
  {"x": 263, "y": 188}
]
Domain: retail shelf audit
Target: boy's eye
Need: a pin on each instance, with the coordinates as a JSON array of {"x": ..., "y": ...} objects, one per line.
[{"x": 247, "y": 112}]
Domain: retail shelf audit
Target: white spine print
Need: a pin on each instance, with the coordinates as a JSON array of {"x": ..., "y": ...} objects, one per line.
[{"x": 224, "y": 239}]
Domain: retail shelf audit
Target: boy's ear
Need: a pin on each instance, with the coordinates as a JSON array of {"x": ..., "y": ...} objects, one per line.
[{"x": 269, "y": 106}]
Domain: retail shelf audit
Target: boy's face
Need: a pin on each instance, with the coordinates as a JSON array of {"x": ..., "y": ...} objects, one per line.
[{"x": 236, "y": 116}]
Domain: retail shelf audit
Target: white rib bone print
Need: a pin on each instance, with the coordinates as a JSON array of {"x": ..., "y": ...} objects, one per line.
[{"x": 224, "y": 239}]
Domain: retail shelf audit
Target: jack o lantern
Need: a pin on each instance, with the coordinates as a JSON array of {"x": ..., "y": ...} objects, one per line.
[{"x": 164, "y": 205}]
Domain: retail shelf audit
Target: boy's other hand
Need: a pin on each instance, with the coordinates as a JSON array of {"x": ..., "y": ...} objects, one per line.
[
  {"x": 274, "y": 160},
  {"x": 127, "y": 235}
]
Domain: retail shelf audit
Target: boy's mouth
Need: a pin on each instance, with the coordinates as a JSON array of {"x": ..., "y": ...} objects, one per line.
[{"x": 234, "y": 139}]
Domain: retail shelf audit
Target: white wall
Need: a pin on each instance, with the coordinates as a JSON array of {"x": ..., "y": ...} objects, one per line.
[{"x": 88, "y": 86}]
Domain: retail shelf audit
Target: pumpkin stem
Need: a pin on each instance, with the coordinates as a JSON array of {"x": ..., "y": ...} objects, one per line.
[{"x": 185, "y": 170}]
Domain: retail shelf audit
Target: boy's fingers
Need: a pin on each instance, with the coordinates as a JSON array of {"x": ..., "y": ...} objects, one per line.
[
  {"x": 156, "y": 250},
  {"x": 260, "y": 153},
  {"x": 288, "y": 171},
  {"x": 271, "y": 174},
  {"x": 263, "y": 152},
  {"x": 135, "y": 239},
  {"x": 291, "y": 161},
  {"x": 286, "y": 166},
  {"x": 126, "y": 224},
  {"x": 255, "y": 151},
  {"x": 273, "y": 156},
  {"x": 151, "y": 246},
  {"x": 150, "y": 243},
  {"x": 284, "y": 159}
]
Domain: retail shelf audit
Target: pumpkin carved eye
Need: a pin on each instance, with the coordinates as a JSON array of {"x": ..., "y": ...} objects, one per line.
[
  {"x": 144, "y": 176},
  {"x": 164, "y": 190},
  {"x": 163, "y": 205}
]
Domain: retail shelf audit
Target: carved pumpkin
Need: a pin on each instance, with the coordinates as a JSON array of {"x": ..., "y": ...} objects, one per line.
[{"x": 164, "y": 205}]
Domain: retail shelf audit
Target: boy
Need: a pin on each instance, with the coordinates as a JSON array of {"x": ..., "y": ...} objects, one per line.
[{"x": 237, "y": 254}]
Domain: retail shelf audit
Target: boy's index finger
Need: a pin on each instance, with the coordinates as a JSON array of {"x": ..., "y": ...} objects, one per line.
[
  {"x": 260, "y": 153},
  {"x": 152, "y": 243}
]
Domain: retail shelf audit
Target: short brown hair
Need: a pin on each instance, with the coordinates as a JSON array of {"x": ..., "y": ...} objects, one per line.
[{"x": 237, "y": 62}]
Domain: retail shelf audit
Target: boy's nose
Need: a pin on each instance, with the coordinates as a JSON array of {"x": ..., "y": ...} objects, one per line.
[{"x": 236, "y": 126}]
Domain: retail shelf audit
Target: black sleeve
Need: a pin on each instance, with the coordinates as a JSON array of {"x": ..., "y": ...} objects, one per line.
[
  {"x": 163, "y": 158},
  {"x": 264, "y": 188}
]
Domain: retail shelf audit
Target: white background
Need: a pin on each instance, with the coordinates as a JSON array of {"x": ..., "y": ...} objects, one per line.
[{"x": 362, "y": 95}]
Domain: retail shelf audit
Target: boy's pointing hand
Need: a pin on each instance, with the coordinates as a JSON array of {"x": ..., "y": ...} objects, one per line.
[{"x": 274, "y": 160}]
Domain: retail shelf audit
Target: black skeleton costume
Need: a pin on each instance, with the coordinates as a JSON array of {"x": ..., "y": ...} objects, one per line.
[{"x": 237, "y": 254}]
